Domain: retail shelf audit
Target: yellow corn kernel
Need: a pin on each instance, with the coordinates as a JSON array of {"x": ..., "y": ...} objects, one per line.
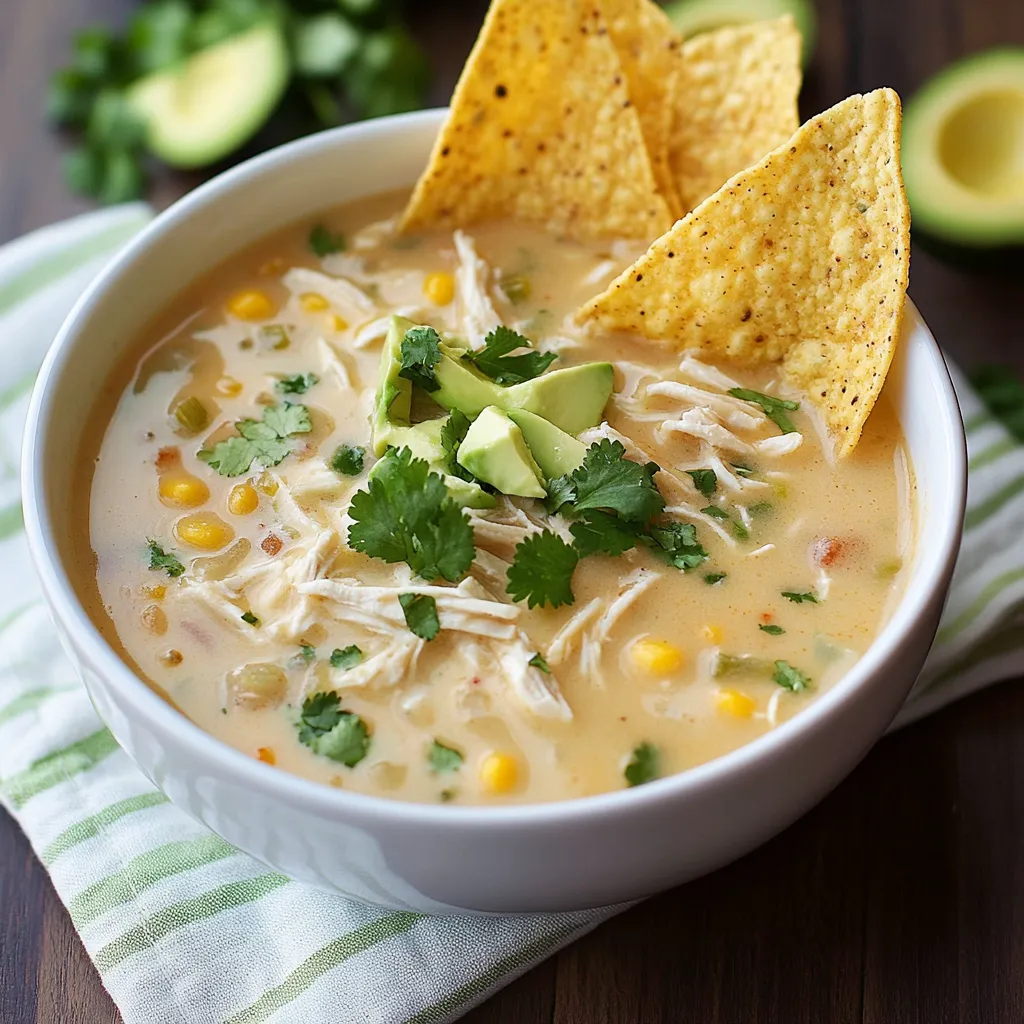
[
  {"x": 204, "y": 530},
  {"x": 439, "y": 287},
  {"x": 267, "y": 755},
  {"x": 313, "y": 302},
  {"x": 658, "y": 657},
  {"x": 713, "y": 634},
  {"x": 243, "y": 499},
  {"x": 157, "y": 593},
  {"x": 339, "y": 323},
  {"x": 732, "y": 702},
  {"x": 499, "y": 773},
  {"x": 251, "y": 304},
  {"x": 274, "y": 266},
  {"x": 266, "y": 483},
  {"x": 182, "y": 490},
  {"x": 229, "y": 386}
]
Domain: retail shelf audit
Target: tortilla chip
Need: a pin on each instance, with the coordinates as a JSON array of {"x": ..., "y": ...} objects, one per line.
[
  {"x": 648, "y": 46},
  {"x": 802, "y": 259},
  {"x": 735, "y": 101},
  {"x": 542, "y": 129}
]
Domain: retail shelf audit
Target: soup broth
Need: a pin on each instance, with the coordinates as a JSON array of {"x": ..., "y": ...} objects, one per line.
[{"x": 239, "y": 597}]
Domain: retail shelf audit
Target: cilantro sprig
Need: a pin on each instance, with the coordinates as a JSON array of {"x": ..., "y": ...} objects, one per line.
[
  {"x": 347, "y": 459},
  {"x": 790, "y": 678},
  {"x": 453, "y": 433},
  {"x": 166, "y": 560},
  {"x": 774, "y": 408},
  {"x": 268, "y": 440},
  {"x": 443, "y": 759},
  {"x": 541, "y": 573},
  {"x": 346, "y": 657},
  {"x": 324, "y": 242},
  {"x": 677, "y": 543},
  {"x": 420, "y": 611},
  {"x": 421, "y": 352},
  {"x": 705, "y": 480},
  {"x": 800, "y": 597},
  {"x": 644, "y": 765},
  {"x": 298, "y": 384},
  {"x": 406, "y": 515},
  {"x": 495, "y": 360},
  {"x": 331, "y": 732}
]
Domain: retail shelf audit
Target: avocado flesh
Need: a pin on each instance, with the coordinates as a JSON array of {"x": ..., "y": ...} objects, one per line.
[
  {"x": 691, "y": 17},
  {"x": 495, "y": 451},
  {"x": 556, "y": 452},
  {"x": 963, "y": 139}
]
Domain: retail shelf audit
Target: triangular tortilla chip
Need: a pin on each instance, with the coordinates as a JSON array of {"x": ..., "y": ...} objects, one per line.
[
  {"x": 735, "y": 101},
  {"x": 802, "y": 259},
  {"x": 648, "y": 46},
  {"x": 542, "y": 129}
]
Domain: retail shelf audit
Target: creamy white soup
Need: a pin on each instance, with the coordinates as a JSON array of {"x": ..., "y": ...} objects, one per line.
[{"x": 348, "y": 522}]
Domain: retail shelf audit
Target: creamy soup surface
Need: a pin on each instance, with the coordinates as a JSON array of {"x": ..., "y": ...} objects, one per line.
[{"x": 653, "y": 668}]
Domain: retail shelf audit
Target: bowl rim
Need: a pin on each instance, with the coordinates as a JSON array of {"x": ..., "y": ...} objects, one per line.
[{"x": 935, "y": 565}]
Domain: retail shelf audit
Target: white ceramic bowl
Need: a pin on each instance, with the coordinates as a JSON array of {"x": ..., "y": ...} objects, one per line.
[{"x": 557, "y": 856}]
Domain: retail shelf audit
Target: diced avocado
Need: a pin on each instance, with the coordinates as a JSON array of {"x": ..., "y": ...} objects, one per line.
[
  {"x": 393, "y": 403},
  {"x": 556, "y": 452},
  {"x": 572, "y": 398},
  {"x": 199, "y": 111},
  {"x": 961, "y": 154},
  {"x": 462, "y": 388},
  {"x": 692, "y": 17},
  {"x": 495, "y": 451}
]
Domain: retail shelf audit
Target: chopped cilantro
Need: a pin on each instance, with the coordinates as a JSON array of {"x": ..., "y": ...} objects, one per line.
[
  {"x": 790, "y": 678},
  {"x": 761, "y": 508},
  {"x": 561, "y": 491},
  {"x": 494, "y": 359},
  {"x": 406, "y": 515},
  {"x": 739, "y": 530},
  {"x": 799, "y": 598},
  {"x": 542, "y": 571},
  {"x": 770, "y": 629},
  {"x": 705, "y": 480},
  {"x": 330, "y": 732},
  {"x": 421, "y": 352},
  {"x": 711, "y": 578},
  {"x": 742, "y": 470},
  {"x": 604, "y": 533},
  {"x": 273, "y": 336},
  {"x": 774, "y": 408},
  {"x": 268, "y": 440},
  {"x": 453, "y": 433},
  {"x": 447, "y": 795},
  {"x": 297, "y": 385},
  {"x": 323, "y": 241},
  {"x": 420, "y": 612},
  {"x": 538, "y": 661},
  {"x": 444, "y": 759},
  {"x": 307, "y": 652},
  {"x": 347, "y": 460},
  {"x": 166, "y": 560},
  {"x": 644, "y": 765},
  {"x": 715, "y": 512},
  {"x": 251, "y": 619},
  {"x": 677, "y": 543},
  {"x": 346, "y": 657},
  {"x": 608, "y": 480}
]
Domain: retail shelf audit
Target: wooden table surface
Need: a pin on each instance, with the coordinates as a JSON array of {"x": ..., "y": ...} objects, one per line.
[{"x": 900, "y": 898}]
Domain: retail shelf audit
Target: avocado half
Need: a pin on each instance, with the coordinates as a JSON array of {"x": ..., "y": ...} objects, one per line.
[
  {"x": 692, "y": 17},
  {"x": 963, "y": 154}
]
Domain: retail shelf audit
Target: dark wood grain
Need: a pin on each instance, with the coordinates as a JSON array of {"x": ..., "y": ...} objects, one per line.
[{"x": 900, "y": 899}]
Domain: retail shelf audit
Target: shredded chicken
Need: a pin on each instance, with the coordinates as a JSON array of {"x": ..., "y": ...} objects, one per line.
[
  {"x": 702, "y": 373},
  {"x": 348, "y": 299},
  {"x": 536, "y": 689},
  {"x": 736, "y": 413},
  {"x": 565, "y": 640},
  {"x": 373, "y": 234},
  {"x": 382, "y": 670},
  {"x": 478, "y": 315},
  {"x": 376, "y": 329},
  {"x": 332, "y": 362}
]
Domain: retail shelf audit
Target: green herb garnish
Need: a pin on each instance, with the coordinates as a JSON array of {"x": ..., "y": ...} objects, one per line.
[
  {"x": 347, "y": 460},
  {"x": 541, "y": 573},
  {"x": 268, "y": 440},
  {"x": 711, "y": 578},
  {"x": 770, "y": 629},
  {"x": 761, "y": 508},
  {"x": 421, "y": 352},
  {"x": 307, "y": 652},
  {"x": 609, "y": 481},
  {"x": 444, "y": 759},
  {"x": 538, "y": 661},
  {"x": 274, "y": 336},
  {"x": 774, "y": 408},
  {"x": 805, "y": 597},
  {"x": 600, "y": 532},
  {"x": 297, "y": 385},
  {"x": 515, "y": 287},
  {"x": 716, "y": 512},
  {"x": 346, "y": 657},
  {"x": 742, "y": 470},
  {"x": 420, "y": 612},
  {"x": 250, "y": 618},
  {"x": 406, "y": 515},
  {"x": 323, "y": 241},
  {"x": 166, "y": 560},
  {"x": 790, "y": 678},
  {"x": 453, "y": 433},
  {"x": 677, "y": 543},
  {"x": 330, "y": 732},
  {"x": 494, "y": 359},
  {"x": 644, "y": 765},
  {"x": 705, "y": 480}
]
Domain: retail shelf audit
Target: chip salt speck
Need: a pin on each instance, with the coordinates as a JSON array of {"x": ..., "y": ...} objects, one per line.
[{"x": 802, "y": 259}]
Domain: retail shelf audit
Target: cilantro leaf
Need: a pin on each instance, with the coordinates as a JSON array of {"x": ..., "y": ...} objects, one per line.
[
  {"x": 774, "y": 408},
  {"x": 770, "y": 629},
  {"x": 791, "y": 678},
  {"x": 542, "y": 571},
  {"x": 715, "y": 512},
  {"x": 307, "y": 652},
  {"x": 539, "y": 662},
  {"x": 420, "y": 612},
  {"x": 742, "y": 470},
  {"x": 320, "y": 713},
  {"x": 644, "y": 765},
  {"x": 297, "y": 385},
  {"x": 347, "y": 460},
  {"x": 250, "y": 618},
  {"x": 330, "y": 732},
  {"x": 453, "y": 433},
  {"x": 421, "y": 352},
  {"x": 604, "y": 533},
  {"x": 494, "y": 360},
  {"x": 166, "y": 560},
  {"x": 608, "y": 480},
  {"x": 561, "y": 491},
  {"x": 677, "y": 543},
  {"x": 705, "y": 480},
  {"x": 761, "y": 508},
  {"x": 711, "y": 578},
  {"x": 444, "y": 759},
  {"x": 346, "y": 657},
  {"x": 406, "y": 515},
  {"x": 267, "y": 440},
  {"x": 323, "y": 241},
  {"x": 800, "y": 598}
]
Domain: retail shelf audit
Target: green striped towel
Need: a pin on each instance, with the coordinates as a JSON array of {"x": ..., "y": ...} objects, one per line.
[{"x": 184, "y": 928}]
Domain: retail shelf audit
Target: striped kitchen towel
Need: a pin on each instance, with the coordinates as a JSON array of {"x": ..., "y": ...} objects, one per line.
[{"x": 186, "y": 929}]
